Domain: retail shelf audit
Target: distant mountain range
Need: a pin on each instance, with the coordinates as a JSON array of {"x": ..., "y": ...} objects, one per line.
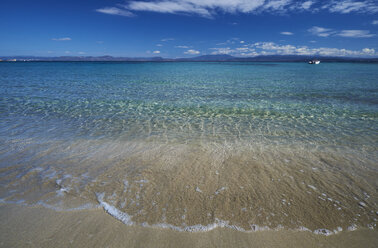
[{"x": 207, "y": 58}]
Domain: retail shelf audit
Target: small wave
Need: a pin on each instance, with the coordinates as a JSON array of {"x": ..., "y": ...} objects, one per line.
[{"x": 127, "y": 220}]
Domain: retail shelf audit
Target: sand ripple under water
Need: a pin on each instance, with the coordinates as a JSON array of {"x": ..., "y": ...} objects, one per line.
[{"x": 197, "y": 187}]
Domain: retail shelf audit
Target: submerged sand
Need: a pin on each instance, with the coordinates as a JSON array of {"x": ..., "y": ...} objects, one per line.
[
  {"x": 41, "y": 227},
  {"x": 199, "y": 187}
]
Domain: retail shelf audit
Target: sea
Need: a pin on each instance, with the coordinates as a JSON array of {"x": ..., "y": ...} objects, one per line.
[{"x": 194, "y": 146}]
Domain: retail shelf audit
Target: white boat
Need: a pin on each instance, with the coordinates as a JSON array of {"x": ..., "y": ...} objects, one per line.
[{"x": 314, "y": 62}]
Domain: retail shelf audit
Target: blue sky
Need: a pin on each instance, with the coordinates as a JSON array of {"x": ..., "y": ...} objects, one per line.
[{"x": 186, "y": 28}]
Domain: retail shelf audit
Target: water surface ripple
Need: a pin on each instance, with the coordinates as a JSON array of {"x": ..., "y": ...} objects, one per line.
[{"x": 194, "y": 146}]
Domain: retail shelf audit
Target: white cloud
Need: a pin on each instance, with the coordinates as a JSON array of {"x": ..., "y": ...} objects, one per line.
[
  {"x": 81, "y": 53},
  {"x": 172, "y": 7},
  {"x": 286, "y": 33},
  {"x": 185, "y": 47},
  {"x": 319, "y": 31},
  {"x": 325, "y": 32},
  {"x": 209, "y": 8},
  {"x": 276, "y": 5},
  {"x": 115, "y": 11},
  {"x": 355, "y": 33},
  {"x": 279, "y": 49},
  {"x": 156, "y": 52},
  {"x": 62, "y": 39},
  {"x": 349, "y": 6},
  {"x": 159, "y": 45},
  {"x": 370, "y": 51},
  {"x": 242, "y": 42},
  {"x": 306, "y": 5},
  {"x": 342, "y": 52},
  {"x": 375, "y": 22},
  {"x": 271, "y": 48},
  {"x": 239, "y": 51},
  {"x": 167, "y": 39},
  {"x": 223, "y": 50},
  {"x": 67, "y": 52},
  {"x": 230, "y": 41},
  {"x": 192, "y": 52},
  {"x": 302, "y": 6}
]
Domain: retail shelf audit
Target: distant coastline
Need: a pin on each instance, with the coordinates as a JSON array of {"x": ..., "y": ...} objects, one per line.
[{"x": 203, "y": 58}]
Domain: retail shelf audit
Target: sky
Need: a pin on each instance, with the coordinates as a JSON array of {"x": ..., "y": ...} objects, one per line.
[{"x": 188, "y": 28}]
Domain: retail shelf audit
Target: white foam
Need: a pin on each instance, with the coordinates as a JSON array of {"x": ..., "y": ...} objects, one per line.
[
  {"x": 312, "y": 187},
  {"x": 304, "y": 229},
  {"x": 352, "y": 227},
  {"x": 372, "y": 226},
  {"x": 125, "y": 185},
  {"x": 367, "y": 196},
  {"x": 255, "y": 228},
  {"x": 321, "y": 198},
  {"x": 142, "y": 181},
  {"x": 220, "y": 190},
  {"x": 279, "y": 227},
  {"x": 38, "y": 169},
  {"x": 62, "y": 191},
  {"x": 127, "y": 220},
  {"x": 323, "y": 231},
  {"x": 123, "y": 204}
]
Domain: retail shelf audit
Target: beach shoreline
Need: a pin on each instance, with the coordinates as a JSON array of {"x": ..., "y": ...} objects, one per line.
[
  {"x": 193, "y": 155},
  {"x": 40, "y": 227}
]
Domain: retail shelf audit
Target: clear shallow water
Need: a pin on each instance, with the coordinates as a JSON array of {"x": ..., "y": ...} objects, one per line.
[{"x": 188, "y": 144}]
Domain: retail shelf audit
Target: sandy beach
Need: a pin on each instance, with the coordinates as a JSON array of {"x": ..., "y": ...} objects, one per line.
[
  {"x": 188, "y": 155},
  {"x": 41, "y": 227}
]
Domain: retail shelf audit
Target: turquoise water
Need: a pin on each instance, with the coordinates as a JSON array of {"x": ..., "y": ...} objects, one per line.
[
  {"x": 277, "y": 102},
  {"x": 250, "y": 144}
]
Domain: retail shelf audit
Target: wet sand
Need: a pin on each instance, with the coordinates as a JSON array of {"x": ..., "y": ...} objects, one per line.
[
  {"x": 199, "y": 188},
  {"x": 41, "y": 227}
]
